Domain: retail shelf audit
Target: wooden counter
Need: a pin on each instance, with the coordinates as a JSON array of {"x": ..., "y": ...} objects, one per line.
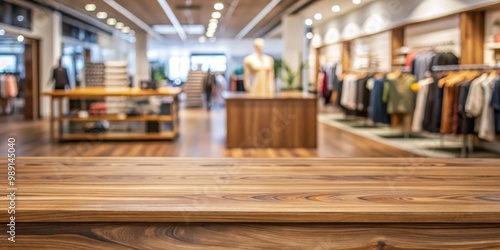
[
  {"x": 286, "y": 120},
  {"x": 172, "y": 203},
  {"x": 102, "y": 92}
]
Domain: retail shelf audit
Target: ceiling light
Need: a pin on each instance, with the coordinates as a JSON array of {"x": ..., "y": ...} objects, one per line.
[
  {"x": 202, "y": 39},
  {"x": 126, "y": 29},
  {"x": 336, "y": 8},
  {"x": 213, "y": 21},
  {"x": 2, "y": 32},
  {"x": 213, "y": 39},
  {"x": 20, "y": 18},
  {"x": 218, "y": 6},
  {"x": 356, "y": 1},
  {"x": 309, "y": 35},
  {"x": 119, "y": 25},
  {"x": 90, "y": 7},
  {"x": 318, "y": 16},
  {"x": 212, "y": 25},
  {"x": 20, "y": 38},
  {"x": 308, "y": 22},
  {"x": 210, "y": 35},
  {"x": 216, "y": 14},
  {"x": 102, "y": 15},
  {"x": 111, "y": 21}
]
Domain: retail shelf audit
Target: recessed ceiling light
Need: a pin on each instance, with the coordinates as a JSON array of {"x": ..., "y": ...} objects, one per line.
[
  {"x": 20, "y": 18},
  {"x": 212, "y": 25},
  {"x": 90, "y": 7},
  {"x": 318, "y": 16},
  {"x": 2, "y": 32},
  {"x": 210, "y": 35},
  {"x": 119, "y": 25},
  {"x": 356, "y": 1},
  {"x": 216, "y": 14},
  {"x": 308, "y": 22},
  {"x": 126, "y": 29},
  {"x": 102, "y": 15},
  {"x": 218, "y": 6},
  {"x": 213, "y": 20},
  {"x": 213, "y": 39},
  {"x": 111, "y": 21},
  {"x": 202, "y": 39},
  {"x": 336, "y": 8},
  {"x": 309, "y": 35},
  {"x": 20, "y": 38}
]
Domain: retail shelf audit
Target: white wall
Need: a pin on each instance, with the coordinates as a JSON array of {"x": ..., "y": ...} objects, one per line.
[
  {"x": 438, "y": 31},
  {"x": 372, "y": 52},
  {"x": 384, "y": 15},
  {"x": 491, "y": 31}
]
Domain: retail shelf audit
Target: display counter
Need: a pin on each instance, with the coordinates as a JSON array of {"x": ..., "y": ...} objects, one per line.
[
  {"x": 157, "y": 203},
  {"x": 96, "y": 93},
  {"x": 286, "y": 120}
]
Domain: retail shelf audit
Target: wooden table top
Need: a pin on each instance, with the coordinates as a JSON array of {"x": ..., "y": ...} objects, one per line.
[
  {"x": 280, "y": 96},
  {"x": 90, "y": 92},
  {"x": 397, "y": 190}
]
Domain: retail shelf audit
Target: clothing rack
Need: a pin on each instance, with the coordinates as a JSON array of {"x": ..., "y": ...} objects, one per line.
[
  {"x": 464, "y": 67},
  {"x": 432, "y": 45},
  {"x": 467, "y": 140}
]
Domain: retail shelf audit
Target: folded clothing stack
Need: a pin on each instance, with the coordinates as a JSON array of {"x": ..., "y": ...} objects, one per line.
[{"x": 98, "y": 108}]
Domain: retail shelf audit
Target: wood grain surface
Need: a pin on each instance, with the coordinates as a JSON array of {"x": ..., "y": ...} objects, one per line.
[
  {"x": 176, "y": 203},
  {"x": 253, "y": 236},
  {"x": 271, "y": 122},
  {"x": 99, "y": 92},
  {"x": 256, "y": 190}
]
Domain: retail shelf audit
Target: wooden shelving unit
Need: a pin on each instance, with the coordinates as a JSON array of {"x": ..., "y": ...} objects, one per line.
[{"x": 57, "y": 119}]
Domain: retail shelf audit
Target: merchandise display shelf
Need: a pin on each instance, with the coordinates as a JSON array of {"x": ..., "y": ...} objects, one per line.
[
  {"x": 116, "y": 118},
  {"x": 57, "y": 120}
]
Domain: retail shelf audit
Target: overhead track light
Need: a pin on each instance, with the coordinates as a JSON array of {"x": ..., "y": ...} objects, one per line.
[
  {"x": 90, "y": 7},
  {"x": 218, "y": 6},
  {"x": 102, "y": 15}
]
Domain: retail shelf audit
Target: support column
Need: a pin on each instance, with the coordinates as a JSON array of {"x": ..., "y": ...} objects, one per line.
[
  {"x": 293, "y": 40},
  {"x": 472, "y": 32},
  {"x": 142, "y": 67}
]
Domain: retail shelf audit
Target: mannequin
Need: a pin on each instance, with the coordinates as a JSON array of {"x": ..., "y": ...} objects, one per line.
[{"x": 259, "y": 71}]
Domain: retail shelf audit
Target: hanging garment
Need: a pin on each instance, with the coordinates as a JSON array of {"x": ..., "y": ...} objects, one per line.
[
  {"x": 349, "y": 92},
  {"x": 422, "y": 64},
  {"x": 3, "y": 86},
  {"x": 378, "y": 108},
  {"x": 464, "y": 125},
  {"x": 487, "y": 118},
  {"x": 495, "y": 105},
  {"x": 11, "y": 86},
  {"x": 475, "y": 98},
  {"x": 399, "y": 96},
  {"x": 421, "y": 104}
]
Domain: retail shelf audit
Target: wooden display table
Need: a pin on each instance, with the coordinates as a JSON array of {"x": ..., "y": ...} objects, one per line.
[
  {"x": 172, "y": 203},
  {"x": 287, "y": 120},
  {"x": 101, "y": 92}
]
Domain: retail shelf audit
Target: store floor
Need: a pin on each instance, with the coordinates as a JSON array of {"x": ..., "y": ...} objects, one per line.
[{"x": 202, "y": 134}]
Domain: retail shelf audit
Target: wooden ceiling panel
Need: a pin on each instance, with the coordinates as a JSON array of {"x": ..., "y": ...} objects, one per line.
[
  {"x": 271, "y": 17},
  {"x": 101, "y": 6},
  {"x": 245, "y": 11},
  {"x": 190, "y": 12},
  {"x": 149, "y": 11}
]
